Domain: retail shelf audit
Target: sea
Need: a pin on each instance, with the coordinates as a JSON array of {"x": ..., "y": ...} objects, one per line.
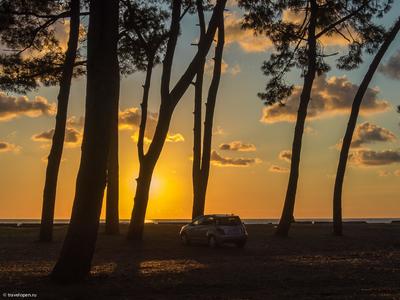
[{"x": 21, "y": 222}]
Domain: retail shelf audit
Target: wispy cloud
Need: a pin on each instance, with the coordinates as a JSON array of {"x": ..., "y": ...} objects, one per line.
[
  {"x": 278, "y": 169},
  {"x": 221, "y": 161},
  {"x": 285, "y": 155},
  {"x": 9, "y": 147},
  {"x": 238, "y": 146}
]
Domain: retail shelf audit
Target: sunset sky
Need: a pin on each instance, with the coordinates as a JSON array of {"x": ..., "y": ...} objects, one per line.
[{"x": 251, "y": 144}]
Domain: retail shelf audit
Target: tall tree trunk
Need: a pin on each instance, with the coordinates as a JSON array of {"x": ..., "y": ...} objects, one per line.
[
  {"x": 198, "y": 207},
  {"x": 112, "y": 198},
  {"x": 143, "y": 182},
  {"x": 101, "y": 95},
  {"x": 288, "y": 209},
  {"x": 337, "y": 195},
  {"x": 169, "y": 100},
  {"x": 54, "y": 158},
  {"x": 197, "y": 115}
]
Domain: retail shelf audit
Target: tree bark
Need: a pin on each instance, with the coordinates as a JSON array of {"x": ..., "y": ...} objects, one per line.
[
  {"x": 197, "y": 115},
  {"x": 54, "y": 158},
  {"x": 101, "y": 93},
  {"x": 288, "y": 209},
  {"x": 112, "y": 198},
  {"x": 199, "y": 206},
  {"x": 344, "y": 152},
  {"x": 169, "y": 100}
]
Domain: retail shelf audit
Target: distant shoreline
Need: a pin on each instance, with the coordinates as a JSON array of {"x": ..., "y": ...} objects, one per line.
[{"x": 33, "y": 222}]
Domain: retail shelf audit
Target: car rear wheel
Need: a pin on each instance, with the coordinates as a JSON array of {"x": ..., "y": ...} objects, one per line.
[
  {"x": 185, "y": 240},
  {"x": 212, "y": 242}
]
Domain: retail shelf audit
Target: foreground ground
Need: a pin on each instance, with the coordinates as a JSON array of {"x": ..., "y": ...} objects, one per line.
[{"x": 311, "y": 264}]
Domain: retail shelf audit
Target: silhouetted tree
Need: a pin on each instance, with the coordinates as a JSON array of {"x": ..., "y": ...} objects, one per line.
[
  {"x": 344, "y": 152},
  {"x": 28, "y": 26},
  {"x": 101, "y": 97},
  {"x": 145, "y": 34},
  {"x": 299, "y": 45},
  {"x": 201, "y": 159},
  {"x": 169, "y": 100}
]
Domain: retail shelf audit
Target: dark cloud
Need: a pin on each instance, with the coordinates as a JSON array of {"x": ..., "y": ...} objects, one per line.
[
  {"x": 391, "y": 69},
  {"x": 330, "y": 96},
  {"x": 11, "y": 107},
  {"x": 8, "y": 147},
  {"x": 285, "y": 155},
  {"x": 238, "y": 146},
  {"x": 73, "y": 136},
  {"x": 219, "y": 160},
  {"x": 365, "y": 157},
  {"x": 129, "y": 119},
  {"x": 368, "y": 133},
  {"x": 278, "y": 169}
]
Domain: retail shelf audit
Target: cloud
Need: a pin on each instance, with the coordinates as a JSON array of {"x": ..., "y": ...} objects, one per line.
[
  {"x": 8, "y": 147},
  {"x": 175, "y": 138},
  {"x": 391, "y": 69},
  {"x": 368, "y": 133},
  {"x": 221, "y": 161},
  {"x": 310, "y": 130},
  {"x": 219, "y": 131},
  {"x": 382, "y": 173},
  {"x": 366, "y": 157},
  {"x": 12, "y": 107},
  {"x": 73, "y": 137},
  {"x": 285, "y": 155},
  {"x": 246, "y": 39},
  {"x": 330, "y": 96},
  {"x": 238, "y": 146},
  {"x": 278, "y": 169},
  {"x": 129, "y": 119},
  {"x": 225, "y": 68},
  {"x": 76, "y": 122}
]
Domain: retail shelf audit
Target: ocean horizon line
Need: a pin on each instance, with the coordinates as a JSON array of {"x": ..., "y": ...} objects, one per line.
[{"x": 249, "y": 221}]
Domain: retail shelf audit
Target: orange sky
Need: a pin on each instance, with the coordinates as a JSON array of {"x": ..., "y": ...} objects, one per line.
[{"x": 249, "y": 174}]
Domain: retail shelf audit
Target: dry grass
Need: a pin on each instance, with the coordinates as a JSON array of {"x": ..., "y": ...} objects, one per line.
[{"x": 311, "y": 264}]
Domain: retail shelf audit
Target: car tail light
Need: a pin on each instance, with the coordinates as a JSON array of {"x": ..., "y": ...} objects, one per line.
[{"x": 220, "y": 231}]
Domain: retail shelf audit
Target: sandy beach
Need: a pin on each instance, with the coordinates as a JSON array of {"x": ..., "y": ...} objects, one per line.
[{"x": 310, "y": 264}]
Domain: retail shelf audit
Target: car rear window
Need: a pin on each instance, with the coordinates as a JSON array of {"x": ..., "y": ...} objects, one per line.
[{"x": 228, "y": 221}]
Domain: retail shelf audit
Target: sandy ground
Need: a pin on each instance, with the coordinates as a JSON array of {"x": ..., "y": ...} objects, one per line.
[{"x": 310, "y": 264}]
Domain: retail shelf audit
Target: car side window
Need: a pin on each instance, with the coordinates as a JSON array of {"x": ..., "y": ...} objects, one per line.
[
  {"x": 208, "y": 221},
  {"x": 198, "y": 221}
]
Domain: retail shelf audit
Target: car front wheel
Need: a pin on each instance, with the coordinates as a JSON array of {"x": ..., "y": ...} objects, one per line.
[{"x": 185, "y": 240}]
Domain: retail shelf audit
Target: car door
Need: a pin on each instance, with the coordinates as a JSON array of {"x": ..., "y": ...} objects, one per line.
[
  {"x": 204, "y": 227},
  {"x": 195, "y": 229}
]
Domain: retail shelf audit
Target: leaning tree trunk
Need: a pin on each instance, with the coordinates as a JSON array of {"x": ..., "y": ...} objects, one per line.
[
  {"x": 54, "y": 159},
  {"x": 197, "y": 114},
  {"x": 112, "y": 198},
  {"x": 288, "y": 209},
  {"x": 147, "y": 165},
  {"x": 337, "y": 195},
  {"x": 101, "y": 96},
  {"x": 169, "y": 100},
  {"x": 198, "y": 207}
]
